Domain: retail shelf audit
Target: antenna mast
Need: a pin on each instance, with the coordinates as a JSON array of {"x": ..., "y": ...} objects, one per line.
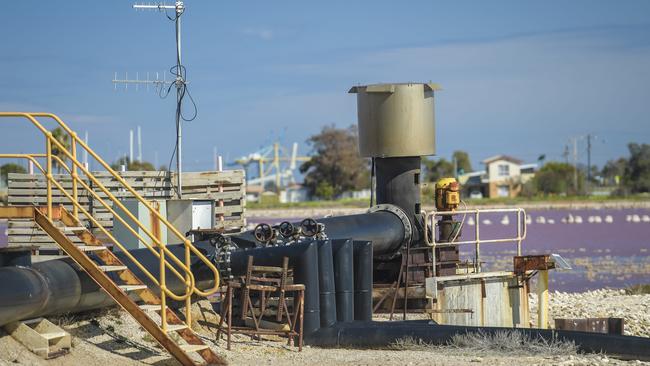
[{"x": 179, "y": 82}]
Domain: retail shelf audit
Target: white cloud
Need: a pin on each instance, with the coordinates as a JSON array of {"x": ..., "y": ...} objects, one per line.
[{"x": 261, "y": 33}]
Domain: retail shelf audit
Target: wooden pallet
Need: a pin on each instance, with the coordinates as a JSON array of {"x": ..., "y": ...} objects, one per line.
[{"x": 30, "y": 190}]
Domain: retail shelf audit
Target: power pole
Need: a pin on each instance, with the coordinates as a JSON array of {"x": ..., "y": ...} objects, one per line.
[
  {"x": 139, "y": 144},
  {"x": 565, "y": 154},
  {"x": 588, "y": 163},
  {"x": 179, "y": 82},
  {"x": 455, "y": 167},
  {"x": 574, "y": 141},
  {"x": 130, "y": 147}
]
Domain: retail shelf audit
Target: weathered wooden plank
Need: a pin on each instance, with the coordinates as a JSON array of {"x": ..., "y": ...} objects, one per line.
[
  {"x": 25, "y": 189},
  {"x": 33, "y": 239},
  {"x": 229, "y": 210}
]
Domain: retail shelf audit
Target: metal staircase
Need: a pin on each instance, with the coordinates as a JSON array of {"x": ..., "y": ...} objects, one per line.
[{"x": 98, "y": 261}]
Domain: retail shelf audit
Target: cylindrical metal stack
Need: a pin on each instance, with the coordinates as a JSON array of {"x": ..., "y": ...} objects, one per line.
[{"x": 396, "y": 128}]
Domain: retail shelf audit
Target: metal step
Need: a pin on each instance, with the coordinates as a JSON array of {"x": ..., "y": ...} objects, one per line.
[
  {"x": 150, "y": 307},
  {"x": 193, "y": 347},
  {"x": 129, "y": 288},
  {"x": 67, "y": 229},
  {"x": 112, "y": 268},
  {"x": 91, "y": 248},
  {"x": 176, "y": 327}
]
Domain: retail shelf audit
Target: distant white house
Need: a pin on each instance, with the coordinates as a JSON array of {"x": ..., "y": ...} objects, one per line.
[
  {"x": 503, "y": 177},
  {"x": 360, "y": 194},
  {"x": 294, "y": 193}
]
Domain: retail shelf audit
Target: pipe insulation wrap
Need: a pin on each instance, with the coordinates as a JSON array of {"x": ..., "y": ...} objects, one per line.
[
  {"x": 342, "y": 253},
  {"x": 363, "y": 280},
  {"x": 326, "y": 284}
]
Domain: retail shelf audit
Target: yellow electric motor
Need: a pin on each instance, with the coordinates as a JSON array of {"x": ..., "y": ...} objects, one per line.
[{"x": 447, "y": 194}]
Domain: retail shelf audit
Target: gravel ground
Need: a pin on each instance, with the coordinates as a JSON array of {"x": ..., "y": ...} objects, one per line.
[
  {"x": 635, "y": 309},
  {"x": 113, "y": 337}
]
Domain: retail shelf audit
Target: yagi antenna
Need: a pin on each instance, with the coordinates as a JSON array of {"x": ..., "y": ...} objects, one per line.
[
  {"x": 150, "y": 80},
  {"x": 158, "y": 83}
]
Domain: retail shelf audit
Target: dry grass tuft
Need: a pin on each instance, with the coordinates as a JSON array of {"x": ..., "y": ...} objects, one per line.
[
  {"x": 506, "y": 342},
  {"x": 638, "y": 289}
]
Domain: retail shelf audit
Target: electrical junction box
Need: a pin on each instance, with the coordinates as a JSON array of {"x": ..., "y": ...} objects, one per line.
[
  {"x": 145, "y": 217},
  {"x": 186, "y": 215}
]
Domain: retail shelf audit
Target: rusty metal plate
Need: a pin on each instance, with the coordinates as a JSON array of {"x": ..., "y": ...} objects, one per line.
[
  {"x": 593, "y": 325},
  {"x": 525, "y": 263}
]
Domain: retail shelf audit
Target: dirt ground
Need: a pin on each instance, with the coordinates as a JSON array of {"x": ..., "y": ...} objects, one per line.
[{"x": 112, "y": 337}]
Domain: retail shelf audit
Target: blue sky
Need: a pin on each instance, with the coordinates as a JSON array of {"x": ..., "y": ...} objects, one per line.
[{"x": 519, "y": 78}]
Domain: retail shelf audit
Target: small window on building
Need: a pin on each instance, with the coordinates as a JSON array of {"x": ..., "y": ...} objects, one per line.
[
  {"x": 503, "y": 191},
  {"x": 504, "y": 170}
]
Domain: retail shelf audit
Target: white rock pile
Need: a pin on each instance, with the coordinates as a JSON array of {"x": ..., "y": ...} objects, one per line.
[{"x": 635, "y": 309}]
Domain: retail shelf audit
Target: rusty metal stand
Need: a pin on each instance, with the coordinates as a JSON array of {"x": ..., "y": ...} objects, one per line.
[{"x": 256, "y": 282}]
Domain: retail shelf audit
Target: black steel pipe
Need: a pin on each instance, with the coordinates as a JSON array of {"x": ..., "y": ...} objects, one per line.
[
  {"x": 384, "y": 229},
  {"x": 382, "y": 334},
  {"x": 398, "y": 183},
  {"x": 59, "y": 286},
  {"x": 363, "y": 280},
  {"x": 16, "y": 257},
  {"x": 342, "y": 253},
  {"x": 326, "y": 284}
]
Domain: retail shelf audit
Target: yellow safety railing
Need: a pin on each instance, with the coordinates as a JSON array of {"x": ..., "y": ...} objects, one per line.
[
  {"x": 162, "y": 252},
  {"x": 432, "y": 222}
]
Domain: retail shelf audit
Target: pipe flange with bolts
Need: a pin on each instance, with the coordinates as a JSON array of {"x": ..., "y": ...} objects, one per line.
[{"x": 408, "y": 231}]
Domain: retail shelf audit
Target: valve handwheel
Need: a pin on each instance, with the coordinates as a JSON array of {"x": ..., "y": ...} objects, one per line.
[
  {"x": 218, "y": 241},
  {"x": 263, "y": 233},
  {"x": 309, "y": 227},
  {"x": 286, "y": 229}
]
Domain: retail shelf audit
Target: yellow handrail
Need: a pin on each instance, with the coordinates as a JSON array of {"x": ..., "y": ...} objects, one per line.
[
  {"x": 32, "y": 158},
  {"x": 188, "y": 244},
  {"x": 189, "y": 248},
  {"x": 106, "y": 205}
]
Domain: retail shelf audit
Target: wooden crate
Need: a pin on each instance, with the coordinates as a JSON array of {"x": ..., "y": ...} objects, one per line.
[{"x": 26, "y": 189}]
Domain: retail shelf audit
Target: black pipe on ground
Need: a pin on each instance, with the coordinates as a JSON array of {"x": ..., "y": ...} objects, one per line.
[
  {"x": 326, "y": 284},
  {"x": 382, "y": 334},
  {"x": 59, "y": 286},
  {"x": 342, "y": 253},
  {"x": 10, "y": 257},
  {"x": 363, "y": 251},
  {"x": 303, "y": 259}
]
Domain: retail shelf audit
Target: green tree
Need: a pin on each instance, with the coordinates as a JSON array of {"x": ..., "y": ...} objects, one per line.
[
  {"x": 64, "y": 139},
  {"x": 134, "y": 165},
  {"x": 637, "y": 171},
  {"x": 324, "y": 190},
  {"x": 558, "y": 178},
  {"x": 463, "y": 164},
  {"x": 9, "y": 168},
  {"x": 438, "y": 168},
  {"x": 335, "y": 165}
]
